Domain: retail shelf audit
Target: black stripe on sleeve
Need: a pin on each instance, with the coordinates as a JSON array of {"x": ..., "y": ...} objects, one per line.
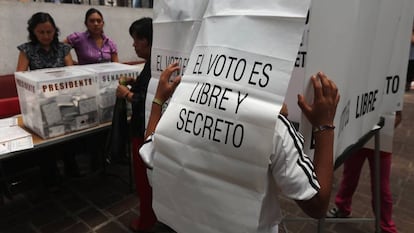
[{"x": 303, "y": 161}]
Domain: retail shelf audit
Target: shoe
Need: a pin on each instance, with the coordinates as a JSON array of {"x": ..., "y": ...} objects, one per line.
[{"x": 337, "y": 213}]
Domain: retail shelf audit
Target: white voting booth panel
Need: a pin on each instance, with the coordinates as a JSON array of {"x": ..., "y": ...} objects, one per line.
[
  {"x": 239, "y": 68},
  {"x": 229, "y": 85},
  {"x": 352, "y": 42},
  {"x": 357, "y": 61},
  {"x": 394, "y": 88},
  {"x": 57, "y": 101},
  {"x": 175, "y": 29}
]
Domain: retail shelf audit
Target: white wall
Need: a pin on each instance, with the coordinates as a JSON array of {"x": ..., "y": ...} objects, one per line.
[{"x": 69, "y": 18}]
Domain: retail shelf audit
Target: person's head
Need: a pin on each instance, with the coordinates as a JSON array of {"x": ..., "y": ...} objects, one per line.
[
  {"x": 94, "y": 21},
  {"x": 42, "y": 29},
  {"x": 141, "y": 31}
]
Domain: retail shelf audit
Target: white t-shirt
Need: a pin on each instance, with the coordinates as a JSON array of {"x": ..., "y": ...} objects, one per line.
[{"x": 291, "y": 172}]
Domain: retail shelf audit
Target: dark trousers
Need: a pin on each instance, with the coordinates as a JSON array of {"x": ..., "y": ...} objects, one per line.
[{"x": 410, "y": 74}]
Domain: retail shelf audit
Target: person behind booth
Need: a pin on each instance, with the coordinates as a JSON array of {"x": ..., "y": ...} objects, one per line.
[
  {"x": 45, "y": 51},
  {"x": 92, "y": 45},
  {"x": 410, "y": 70},
  {"x": 350, "y": 177},
  {"x": 310, "y": 183},
  {"x": 141, "y": 32}
]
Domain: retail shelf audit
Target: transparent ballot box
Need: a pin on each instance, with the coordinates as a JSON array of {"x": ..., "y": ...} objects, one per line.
[
  {"x": 57, "y": 101},
  {"x": 108, "y": 75}
]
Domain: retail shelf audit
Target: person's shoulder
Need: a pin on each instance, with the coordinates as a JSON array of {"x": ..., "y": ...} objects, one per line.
[
  {"x": 283, "y": 124},
  {"x": 25, "y": 47},
  {"x": 285, "y": 130},
  {"x": 75, "y": 36},
  {"x": 64, "y": 47},
  {"x": 109, "y": 40}
]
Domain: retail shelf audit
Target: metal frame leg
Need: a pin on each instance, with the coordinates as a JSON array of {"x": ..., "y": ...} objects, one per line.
[
  {"x": 377, "y": 182},
  {"x": 321, "y": 224},
  {"x": 377, "y": 188}
]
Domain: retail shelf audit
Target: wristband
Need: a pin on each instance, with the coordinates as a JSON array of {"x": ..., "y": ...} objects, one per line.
[
  {"x": 157, "y": 101},
  {"x": 323, "y": 128}
]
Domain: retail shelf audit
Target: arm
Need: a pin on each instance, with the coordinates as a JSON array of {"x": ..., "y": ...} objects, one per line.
[
  {"x": 164, "y": 91},
  {"x": 284, "y": 110},
  {"x": 68, "y": 60},
  {"x": 22, "y": 62},
  {"x": 321, "y": 112},
  {"x": 122, "y": 91},
  {"x": 114, "y": 57},
  {"x": 412, "y": 35}
]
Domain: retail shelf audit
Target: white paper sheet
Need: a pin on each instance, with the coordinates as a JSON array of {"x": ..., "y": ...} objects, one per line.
[{"x": 215, "y": 138}]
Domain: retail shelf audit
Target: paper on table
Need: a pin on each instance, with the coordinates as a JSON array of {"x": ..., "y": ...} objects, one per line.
[
  {"x": 3, "y": 149},
  {"x": 15, "y": 138},
  {"x": 7, "y": 122}
]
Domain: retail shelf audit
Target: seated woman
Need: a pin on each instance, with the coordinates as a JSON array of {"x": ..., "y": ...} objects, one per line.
[
  {"x": 44, "y": 49},
  {"x": 92, "y": 46}
]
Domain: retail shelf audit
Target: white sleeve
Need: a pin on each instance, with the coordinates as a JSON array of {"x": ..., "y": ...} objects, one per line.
[
  {"x": 292, "y": 169},
  {"x": 147, "y": 152}
]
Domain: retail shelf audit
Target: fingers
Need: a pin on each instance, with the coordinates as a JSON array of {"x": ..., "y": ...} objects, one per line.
[
  {"x": 324, "y": 87},
  {"x": 166, "y": 85},
  {"x": 321, "y": 84},
  {"x": 176, "y": 81},
  {"x": 326, "y": 98},
  {"x": 166, "y": 74},
  {"x": 123, "y": 80},
  {"x": 317, "y": 86},
  {"x": 325, "y": 82},
  {"x": 121, "y": 91},
  {"x": 303, "y": 105}
]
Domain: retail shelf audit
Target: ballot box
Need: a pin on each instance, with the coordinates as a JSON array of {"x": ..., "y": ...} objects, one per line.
[
  {"x": 58, "y": 100},
  {"x": 108, "y": 75}
]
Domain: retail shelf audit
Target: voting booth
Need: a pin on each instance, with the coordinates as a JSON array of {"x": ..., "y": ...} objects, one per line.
[
  {"x": 57, "y": 101},
  {"x": 223, "y": 112}
]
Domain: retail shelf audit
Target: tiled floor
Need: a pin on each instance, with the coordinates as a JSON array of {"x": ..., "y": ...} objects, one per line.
[
  {"x": 100, "y": 203},
  {"x": 95, "y": 203}
]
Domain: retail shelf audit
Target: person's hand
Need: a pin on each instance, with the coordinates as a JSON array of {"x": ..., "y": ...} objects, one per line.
[
  {"x": 326, "y": 97},
  {"x": 122, "y": 91},
  {"x": 125, "y": 80},
  {"x": 166, "y": 87}
]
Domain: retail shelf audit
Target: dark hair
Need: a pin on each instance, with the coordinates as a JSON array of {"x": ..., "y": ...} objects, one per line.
[
  {"x": 38, "y": 18},
  {"x": 92, "y": 11},
  {"x": 142, "y": 28}
]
